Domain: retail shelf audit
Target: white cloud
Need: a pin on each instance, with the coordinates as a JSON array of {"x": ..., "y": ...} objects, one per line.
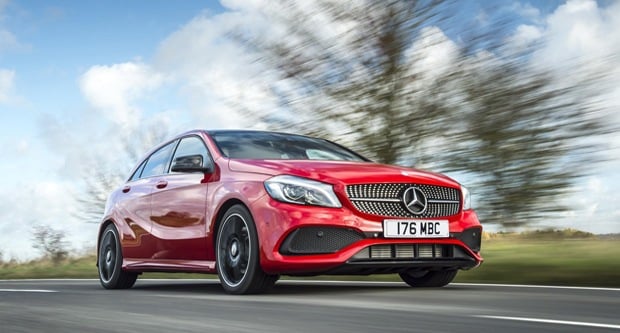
[
  {"x": 8, "y": 41},
  {"x": 244, "y": 5},
  {"x": 7, "y": 85},
  {"x": 114, "y": 89},
  {"x": 580, "y": 29},
  {"x": 527, "y": 11},
  {"x": 214, "y": 72},
  {"x": 581, "y": 38},
  {"x": 525, "y": 35},
  {"x": 220, "y": 79},
  {"x": 433, "y": 52},
  {"x": 22, "y": 147}
]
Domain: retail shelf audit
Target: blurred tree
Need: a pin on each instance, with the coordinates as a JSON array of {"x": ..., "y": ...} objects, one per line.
[
  {"x": 381, "y": 77},
  {"x": 98, "y": 185},
  {"x": 520, "y": 138},
  {"x": 103, "y": 174},
  {"x": 51, "y": 242},
  {"x": 349, "y": 70}
]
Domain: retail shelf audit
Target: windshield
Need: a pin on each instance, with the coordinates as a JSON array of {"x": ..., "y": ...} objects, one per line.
[{"x": 278, "y": 146}]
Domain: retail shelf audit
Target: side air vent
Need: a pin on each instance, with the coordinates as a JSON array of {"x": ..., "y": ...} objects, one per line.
[{"x": 319, "y": 240}]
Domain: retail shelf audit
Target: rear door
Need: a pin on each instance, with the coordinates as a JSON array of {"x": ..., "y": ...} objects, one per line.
[{"x": 135, "y": 203}]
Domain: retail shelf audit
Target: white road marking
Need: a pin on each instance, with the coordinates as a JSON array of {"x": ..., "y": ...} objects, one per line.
[
  {"x": 28, "y": 291},
  {"x": 551, "y": 321},
  {"x": 534, "y": 286},
  {"x": 57, "y": 280},
  {"x": 397, "y": 283}
]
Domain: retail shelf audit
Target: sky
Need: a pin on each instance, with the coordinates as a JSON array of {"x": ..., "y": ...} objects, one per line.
[{"x": 75, "y": 76}]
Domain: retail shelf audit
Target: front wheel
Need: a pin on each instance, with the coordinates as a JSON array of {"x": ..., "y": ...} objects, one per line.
[
  {"x": 110, "y": 262},
  {"x": 428, "y": 279},
  {"x": 238, "y": 266}
]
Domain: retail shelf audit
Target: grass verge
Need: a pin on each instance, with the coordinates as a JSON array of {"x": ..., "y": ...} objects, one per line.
[
  {"x": 579, "y": 262},
  {"x": 590, "y": 261}
]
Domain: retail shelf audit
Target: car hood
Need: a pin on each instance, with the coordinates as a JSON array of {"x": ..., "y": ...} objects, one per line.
[{"x": 342, "y": 172}]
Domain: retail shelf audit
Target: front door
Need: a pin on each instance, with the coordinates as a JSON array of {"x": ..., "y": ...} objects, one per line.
[{"x": 178, "y": 208}]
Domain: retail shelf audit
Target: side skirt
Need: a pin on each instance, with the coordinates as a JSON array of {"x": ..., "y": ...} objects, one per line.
[{"x": 169, "y": 265}]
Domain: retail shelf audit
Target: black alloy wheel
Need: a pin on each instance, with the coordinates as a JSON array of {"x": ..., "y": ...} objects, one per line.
[
  {"x": 110, "y": 261},
  {"x": 238, "y": 266}
]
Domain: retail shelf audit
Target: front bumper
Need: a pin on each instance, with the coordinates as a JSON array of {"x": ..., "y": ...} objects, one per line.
[{"x": 305, "y": 240}]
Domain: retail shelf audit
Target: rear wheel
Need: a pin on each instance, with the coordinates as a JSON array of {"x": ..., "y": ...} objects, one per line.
[
  {"x": 238, "y": 265},
  {"x": 110, "y": 262},
  {"x": 428, "y": 279}
]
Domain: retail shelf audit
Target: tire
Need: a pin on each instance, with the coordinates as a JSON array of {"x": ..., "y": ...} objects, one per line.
[
  {"x": 110, "y": 262},
  {"x": 428, "y": 279},
  {"x": 237, "y": 256}
]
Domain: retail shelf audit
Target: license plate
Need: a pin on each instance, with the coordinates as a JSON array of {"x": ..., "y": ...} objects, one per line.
[{"x": 416, "y": 229}]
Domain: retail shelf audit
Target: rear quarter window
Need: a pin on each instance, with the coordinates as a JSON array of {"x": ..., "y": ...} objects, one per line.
[
  {"x": 138, "y": 172},
  {"x": 159, "y": 162}
]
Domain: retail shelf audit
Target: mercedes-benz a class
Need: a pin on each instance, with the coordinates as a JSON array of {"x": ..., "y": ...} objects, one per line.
[{"x": 253, "y": 205}]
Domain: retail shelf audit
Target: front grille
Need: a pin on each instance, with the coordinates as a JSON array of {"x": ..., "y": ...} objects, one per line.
[{"x": 387, "y": 200}]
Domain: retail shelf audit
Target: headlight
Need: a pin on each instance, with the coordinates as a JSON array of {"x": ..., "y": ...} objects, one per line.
[
  {"x": 466, "y": 198},
  {"x": 301, "y": 191}
]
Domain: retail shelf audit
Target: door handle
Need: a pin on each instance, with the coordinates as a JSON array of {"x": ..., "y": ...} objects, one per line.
[
  {"x": 161, "y": 184},
  {"x": 126, "y": 188}
]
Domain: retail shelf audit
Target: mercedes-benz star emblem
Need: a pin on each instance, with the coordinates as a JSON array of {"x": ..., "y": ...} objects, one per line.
[{"x": 414, "y": 200}]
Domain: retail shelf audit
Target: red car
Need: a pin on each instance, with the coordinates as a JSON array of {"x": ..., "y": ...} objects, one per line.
[{"x": 252, "y": 205}]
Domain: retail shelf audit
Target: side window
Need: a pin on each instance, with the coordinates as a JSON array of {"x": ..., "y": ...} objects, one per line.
[
  {"x": 136, "y": 175},
  {"x": 159, "y": 161},
  {"x": 193, "y": 146}
]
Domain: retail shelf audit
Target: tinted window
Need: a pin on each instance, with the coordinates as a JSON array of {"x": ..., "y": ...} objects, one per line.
[
  {"x": 159, "y": 161},
  {"x": 265, "y": 145},
  {"x": 193, "y": 145}
]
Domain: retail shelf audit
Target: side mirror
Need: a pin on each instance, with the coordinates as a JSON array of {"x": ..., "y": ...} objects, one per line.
[{"x": 190, "y": 163}]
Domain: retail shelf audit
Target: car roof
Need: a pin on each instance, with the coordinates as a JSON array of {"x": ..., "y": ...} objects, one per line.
[{"x": 250, "y": 131}]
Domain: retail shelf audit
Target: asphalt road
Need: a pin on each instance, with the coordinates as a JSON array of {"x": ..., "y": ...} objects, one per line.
[{"x": 303, "y": 306}]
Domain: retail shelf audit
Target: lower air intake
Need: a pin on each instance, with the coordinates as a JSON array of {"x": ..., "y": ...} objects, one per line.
[{"x": 407, "y": 252}]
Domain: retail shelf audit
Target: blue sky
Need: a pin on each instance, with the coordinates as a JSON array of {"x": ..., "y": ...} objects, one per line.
[
  {"x": 60, "y": 40},
  {"x": 76, "y": 75}
]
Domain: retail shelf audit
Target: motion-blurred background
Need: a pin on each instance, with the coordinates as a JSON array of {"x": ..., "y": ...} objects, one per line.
[{"x": 518, "y": 100}]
